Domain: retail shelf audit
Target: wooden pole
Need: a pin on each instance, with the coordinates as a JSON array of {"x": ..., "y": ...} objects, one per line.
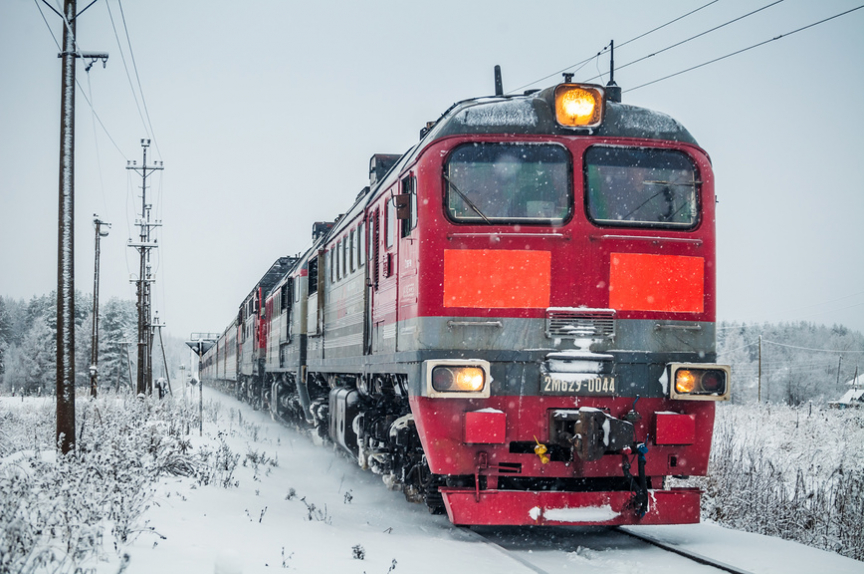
[{"x": 65, "y": 436}]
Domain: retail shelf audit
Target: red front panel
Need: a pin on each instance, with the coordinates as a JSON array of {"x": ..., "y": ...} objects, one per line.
[
  {"x": 499, "y": 278},
  {"x": 672, "y": 428},
  {"x": 508, "y": 507},
  {"x": 441, "y": 424},
  {"x": 640, "y": 282},
  {"x": 485, "y": 427}
]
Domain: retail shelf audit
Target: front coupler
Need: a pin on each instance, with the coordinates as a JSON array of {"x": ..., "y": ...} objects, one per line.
[{"x": 589, "y": 433}]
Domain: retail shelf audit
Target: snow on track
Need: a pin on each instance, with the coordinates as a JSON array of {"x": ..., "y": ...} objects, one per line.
[{"x": 210, "y": 529}]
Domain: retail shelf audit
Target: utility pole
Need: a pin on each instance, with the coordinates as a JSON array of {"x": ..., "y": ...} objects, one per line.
[
  {"x": 94, "y": 351},
  {"x": 759, "y": 399},
  {"x": 158, "y": 326},
  {"x": 145, "y": 279},
  {"x": 66, "y": 246},
  {"x": 839, "y": 364},
  {"x": 65, "y": 436}
]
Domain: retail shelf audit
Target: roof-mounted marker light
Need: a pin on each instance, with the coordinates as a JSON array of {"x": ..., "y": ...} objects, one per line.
[{"x": 579, "y": 105}]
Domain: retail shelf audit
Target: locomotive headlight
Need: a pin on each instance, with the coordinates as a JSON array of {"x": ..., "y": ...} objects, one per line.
[
  {"x": 462, "y": 379},
  {"x": 579, "y": 105},
  {"x": 685, "y": 381},
  {"x": 457, "y": 378},
  {"x": 699, "y": 382}
]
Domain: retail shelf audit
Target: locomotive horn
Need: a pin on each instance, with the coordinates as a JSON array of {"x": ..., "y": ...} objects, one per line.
[{"x": 499, "y": 85}]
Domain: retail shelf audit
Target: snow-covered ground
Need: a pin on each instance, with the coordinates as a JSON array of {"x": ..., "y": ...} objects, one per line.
[{"x": 291, "y": 504}]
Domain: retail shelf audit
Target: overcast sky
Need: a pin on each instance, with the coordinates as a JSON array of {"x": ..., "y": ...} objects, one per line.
[{"x": 265, "y": 114}]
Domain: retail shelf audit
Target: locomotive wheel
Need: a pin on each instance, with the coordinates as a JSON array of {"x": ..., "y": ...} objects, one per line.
[
  {"x": 427, "y": 484},
  {"x": 433, "y": 499}
]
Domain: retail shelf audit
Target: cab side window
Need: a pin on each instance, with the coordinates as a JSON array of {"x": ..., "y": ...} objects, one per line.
[
  {"x": 409, "y": 187},
  {"x": 390, "y": 221}
]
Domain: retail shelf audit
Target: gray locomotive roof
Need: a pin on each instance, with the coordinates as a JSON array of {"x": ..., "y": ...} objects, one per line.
[
  {"x": 535, "y": 114},
  {"x": 282, "y": 266}
]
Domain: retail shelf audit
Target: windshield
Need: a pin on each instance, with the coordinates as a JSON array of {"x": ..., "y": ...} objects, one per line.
[
  {"x": 516, "y": 183},
  {"x": 641, "y": 187}
]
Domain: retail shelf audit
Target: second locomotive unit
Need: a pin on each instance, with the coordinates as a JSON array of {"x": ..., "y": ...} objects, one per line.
[{"x": 514, "y": 323}]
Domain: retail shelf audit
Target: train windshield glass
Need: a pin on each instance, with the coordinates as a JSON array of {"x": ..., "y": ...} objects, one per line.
[
  {"x": 641, "y": 187},
  {"x": 509, "y": 183}
]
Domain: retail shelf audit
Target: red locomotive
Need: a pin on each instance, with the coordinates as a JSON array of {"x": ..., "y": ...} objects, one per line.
[{"x": 514, "y": 323}]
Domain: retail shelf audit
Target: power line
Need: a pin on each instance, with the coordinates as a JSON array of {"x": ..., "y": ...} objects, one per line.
[
  {"x": 98, "y": 119},
  {"x": 580, "y": 64},
  {"x": 138, "y": 79},
  {"x": 666, "y": 49},
  {"x": 808, "y": 348},
  {"x": 125, "y": 67},
  {"x": 744, "y": 49},
  {"x": 44, "y": 19},
  {"x": 666, "y": 24},
  {"x": 583, "y": 62},
  {"x": 726, "y": 352},
  {"x": 98, "y": 153}
]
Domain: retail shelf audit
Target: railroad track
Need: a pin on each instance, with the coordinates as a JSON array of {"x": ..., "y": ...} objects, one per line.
[
  {"x": 696, "y": 557},
  {"x": 536, "y": 549}
]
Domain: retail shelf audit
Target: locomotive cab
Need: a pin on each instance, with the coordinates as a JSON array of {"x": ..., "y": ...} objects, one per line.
[
  {"x": 514, "y": 322},
  {"x": 566, "y": 288}
]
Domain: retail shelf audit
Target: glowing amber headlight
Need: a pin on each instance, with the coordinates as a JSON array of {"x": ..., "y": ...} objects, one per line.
[
  {"x": 700, "y": 382},
  {"x": 459, "y": 379},
  {"x": 685, "y": 381},
  {"x": 579, "y": 105}
]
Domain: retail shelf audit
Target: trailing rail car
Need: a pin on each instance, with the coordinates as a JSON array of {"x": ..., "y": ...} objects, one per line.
[{"x": 514, "y": 323}]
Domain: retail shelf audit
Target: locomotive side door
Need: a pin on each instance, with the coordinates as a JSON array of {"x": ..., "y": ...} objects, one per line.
[
  {"x": 407, "y": 276},
  {"x": 384, "y": 297},
  {"x": 373, "y": 232}
]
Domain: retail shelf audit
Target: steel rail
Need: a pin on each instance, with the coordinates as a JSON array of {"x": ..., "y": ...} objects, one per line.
[
  {"x": 477, "y": 537},
  {"x": 467, "y": 533},
  {"x": 696, "y": 557}
]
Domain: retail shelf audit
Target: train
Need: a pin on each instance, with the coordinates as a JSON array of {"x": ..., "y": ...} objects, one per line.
[{"x": 514, "y": 323}]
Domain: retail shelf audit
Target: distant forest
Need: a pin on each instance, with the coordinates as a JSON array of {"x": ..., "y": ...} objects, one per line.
[
  {"x": 800, "y": 361},
  {"x": 28, "y": 344}
]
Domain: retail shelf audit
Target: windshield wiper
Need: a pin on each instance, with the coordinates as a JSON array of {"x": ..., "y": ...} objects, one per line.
[
  {"x": 466, "y": 200},
  {"x": 643, "y": 204},
  {"x": 665, "y": 191}
]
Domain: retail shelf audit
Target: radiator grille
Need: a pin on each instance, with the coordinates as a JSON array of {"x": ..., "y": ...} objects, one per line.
[{"x": 577, "y": 323}]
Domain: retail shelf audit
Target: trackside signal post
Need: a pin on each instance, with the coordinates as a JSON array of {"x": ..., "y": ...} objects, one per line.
[
  {"x": 145, "y": 278},
  {"x": 200, "y": 343}
]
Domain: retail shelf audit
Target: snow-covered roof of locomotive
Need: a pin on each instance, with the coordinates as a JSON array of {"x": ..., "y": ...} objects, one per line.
[
  {"x": 535, "y": 114},
  {"x": 277, "y": 271},
  {"x": 359, "y": 206}
]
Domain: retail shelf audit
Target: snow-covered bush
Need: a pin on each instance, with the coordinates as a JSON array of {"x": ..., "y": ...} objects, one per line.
[
  {"x": 57, "y": 511},
  {"x": 792, "y": 472}
]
